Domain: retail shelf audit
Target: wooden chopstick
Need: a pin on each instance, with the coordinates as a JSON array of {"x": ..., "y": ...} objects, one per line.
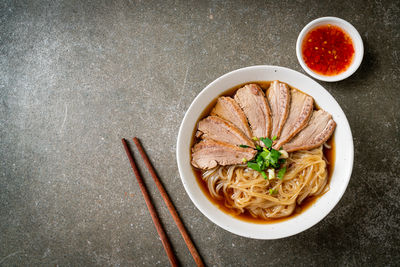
[
  {"x": 170, "y": 206},
  {"x": 153, "y": 213}
]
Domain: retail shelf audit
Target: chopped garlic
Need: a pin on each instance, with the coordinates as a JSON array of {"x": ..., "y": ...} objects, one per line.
[{"x": 271, "y": 174}]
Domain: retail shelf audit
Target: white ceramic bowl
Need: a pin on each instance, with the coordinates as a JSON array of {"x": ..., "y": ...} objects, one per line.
[
  {"x": 347, "y": 27},
  {"x": 320, "y": 208}
]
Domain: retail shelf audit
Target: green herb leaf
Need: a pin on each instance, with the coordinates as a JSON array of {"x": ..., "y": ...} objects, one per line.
[
  {"x": 267, "y": 158},
  {"x": 255, "y": 138},
  {"x": 273, "y": 191},
  {"x": 244, "y": 146},
  {"x": 281, "y": 173},
  {"x": 275, "y": 154},
  {"x": 273, "y": 158},
  {"x": 253, "y": 166},
  {"x": 267, "y": 142},
  {"x": 274, "y": 138},
  {"x": 264, "y": 175},
  {"x": 260, "y": 162},
  {"x": 264, "y": 154}
]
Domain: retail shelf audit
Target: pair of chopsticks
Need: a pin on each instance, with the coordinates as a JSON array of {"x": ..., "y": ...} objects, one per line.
[{"x": 167, "y": 201}]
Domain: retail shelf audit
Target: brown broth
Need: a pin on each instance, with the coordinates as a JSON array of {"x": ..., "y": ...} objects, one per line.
[{"x": 329, "y": 154}]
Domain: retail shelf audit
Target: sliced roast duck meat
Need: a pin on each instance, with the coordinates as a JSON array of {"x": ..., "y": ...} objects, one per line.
[
  {"x": 208, "y": 153},
  {"x": 301, "y": 107},
  {"x": 228, "y": 109},
  {"x": 318, "y": 131},
  {"x": 291, "y": 118},
  {"x": 213, "y": 127},
  {"x": 254, "y": 105},
  {"x": 278, "y": 96}
]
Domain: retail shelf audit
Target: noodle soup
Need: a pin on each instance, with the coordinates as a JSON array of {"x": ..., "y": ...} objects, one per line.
[{"x": 245, "y": 194}]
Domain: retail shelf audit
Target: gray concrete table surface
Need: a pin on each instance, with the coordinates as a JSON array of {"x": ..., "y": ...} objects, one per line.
[{"x": 77, "y": 76}]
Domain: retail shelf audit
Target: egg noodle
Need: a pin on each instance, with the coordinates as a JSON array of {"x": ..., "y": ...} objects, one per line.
[{"x": 244, "y": 189}]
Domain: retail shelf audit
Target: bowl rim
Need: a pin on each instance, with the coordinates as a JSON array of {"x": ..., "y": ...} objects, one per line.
[
  {"x": 277, "y": 230},
  {"x": 349, "y": 29}
]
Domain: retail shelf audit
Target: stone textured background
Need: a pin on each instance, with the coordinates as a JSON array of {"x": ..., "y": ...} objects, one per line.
[{"x": 77, "y": 76}]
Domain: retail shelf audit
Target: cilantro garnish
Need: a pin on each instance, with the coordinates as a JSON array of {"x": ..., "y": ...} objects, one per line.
[
  {"x": 254, "y": 166},
  {"x": 267, "y": 160},
  {"x": 281, "y": 173},
  {"x": 267, "y": 142},
  {"x": 264, "y": 175},
  {"x": 273, "y": 191}
]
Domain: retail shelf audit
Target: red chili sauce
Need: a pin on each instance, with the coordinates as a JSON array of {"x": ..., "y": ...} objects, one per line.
[{"x": 328, "y": 50}]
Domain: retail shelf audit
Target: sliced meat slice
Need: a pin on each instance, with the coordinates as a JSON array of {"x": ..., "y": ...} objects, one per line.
[
  {"x": 214, "y": 127},
  {"x": 254, "y": 105},
  {"x": 278, "y": 96},
  {"x": 209, "y": 153},
  {"x": 301, "y": 107},
  {"x": 319, "y": 129},
  {"x": 228, "y": 109}
]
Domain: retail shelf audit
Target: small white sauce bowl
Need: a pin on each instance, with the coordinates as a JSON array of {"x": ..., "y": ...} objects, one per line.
[{"x": 350, "y": 30}]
